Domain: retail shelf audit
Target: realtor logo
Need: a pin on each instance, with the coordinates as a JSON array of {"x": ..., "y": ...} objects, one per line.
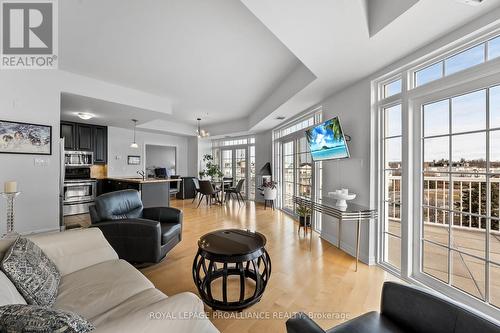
[{"x": 28, "y": 34}]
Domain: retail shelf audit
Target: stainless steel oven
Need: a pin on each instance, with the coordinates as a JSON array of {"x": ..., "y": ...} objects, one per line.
[
  {"x": 78, "y": 158},
  {"x": 78, "y": 195}
]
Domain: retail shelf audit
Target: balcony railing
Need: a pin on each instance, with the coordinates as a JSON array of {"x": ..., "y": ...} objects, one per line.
[{"x": 469, "y": 201}]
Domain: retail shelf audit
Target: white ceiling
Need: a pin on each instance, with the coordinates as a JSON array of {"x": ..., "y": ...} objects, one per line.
[
  {"x": 334, "y": 42},
  {"x": 213, "y": 59},
  {"x": 246, "y": 62},
  {"x": 119, "y": 115}
]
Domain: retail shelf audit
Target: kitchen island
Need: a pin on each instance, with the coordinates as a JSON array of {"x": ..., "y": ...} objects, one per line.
[{"x": 154, "y": 192}]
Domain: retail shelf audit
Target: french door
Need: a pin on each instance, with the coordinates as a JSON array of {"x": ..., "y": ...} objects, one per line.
[
  {"x": 299, "y": 175},
  {"x": 235, "y": 162},
  {"x": 458, "y": 233}
]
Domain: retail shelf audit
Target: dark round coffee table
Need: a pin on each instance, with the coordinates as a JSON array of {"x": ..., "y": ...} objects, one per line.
[{"x": 231, "y": 252}]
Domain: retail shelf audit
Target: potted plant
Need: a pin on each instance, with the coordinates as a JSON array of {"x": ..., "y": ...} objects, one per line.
[
  {"x": 212, "y": 170},
  {"x": 304, "y": 213},
  {"x": 270, "y": 190}
]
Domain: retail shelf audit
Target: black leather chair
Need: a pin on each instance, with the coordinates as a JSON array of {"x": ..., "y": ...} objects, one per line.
[
  {"x": 138, "y": 234},
  {"x": 405, "y": 309}
]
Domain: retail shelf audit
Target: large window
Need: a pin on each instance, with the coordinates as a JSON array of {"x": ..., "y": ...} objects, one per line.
[
  {"x": 392, "y": 164},
  {"x": 295, "y": 172},
  {"x": 288, "y": 184},
  {"x": 471, "y": 57},
  {"x": 460, "y": 228},
  {"x": 438, "y": 175}
]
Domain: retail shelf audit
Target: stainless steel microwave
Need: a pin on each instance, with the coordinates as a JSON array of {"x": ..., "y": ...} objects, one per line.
[{"x": 78, "y": 158}]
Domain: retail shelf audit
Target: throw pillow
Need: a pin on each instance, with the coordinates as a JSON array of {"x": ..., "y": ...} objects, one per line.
[
  {"x": 20, "y": 318},
  {"x": 32, "y": 272}
]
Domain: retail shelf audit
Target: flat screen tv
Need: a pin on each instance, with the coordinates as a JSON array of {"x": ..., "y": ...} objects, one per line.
[{"x": 327, "y": 141}]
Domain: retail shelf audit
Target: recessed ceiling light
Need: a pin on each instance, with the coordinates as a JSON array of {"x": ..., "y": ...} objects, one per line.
[
  {"x": 471, "y": 2},
  {"x": 85, "y": 115}
]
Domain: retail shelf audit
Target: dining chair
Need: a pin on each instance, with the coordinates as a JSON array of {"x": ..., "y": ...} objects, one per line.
[
  {"x": 236, "y": 191},
  {"x": 196, "y": 183},
  {"x": 208, "y": 192},
  {"x": 174, "y": 186},
  {"x": 227, "y": 182}
]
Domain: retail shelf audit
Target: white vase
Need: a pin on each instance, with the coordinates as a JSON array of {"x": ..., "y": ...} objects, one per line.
[{"x": 270, "y": 193}]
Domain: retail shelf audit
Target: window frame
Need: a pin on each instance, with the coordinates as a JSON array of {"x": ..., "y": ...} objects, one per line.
[
  {"x": 382, "y": 176},
  {"x": 440, "y": 56},
  {"x": 417, "y": 271},
  {"x": 412, "y": 97}
]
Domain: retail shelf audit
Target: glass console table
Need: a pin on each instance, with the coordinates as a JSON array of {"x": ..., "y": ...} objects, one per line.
[{"x": 353, "y": 212}]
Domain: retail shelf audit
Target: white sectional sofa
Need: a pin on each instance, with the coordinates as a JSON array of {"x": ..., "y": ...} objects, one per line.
[{"x": 110, "y": 292}]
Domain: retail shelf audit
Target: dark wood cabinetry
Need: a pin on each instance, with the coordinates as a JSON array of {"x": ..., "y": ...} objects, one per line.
[
  {"x": 68, "y": 133},
  {"x": 86, "y": 137},
  {"x": 100, "y": 136}
]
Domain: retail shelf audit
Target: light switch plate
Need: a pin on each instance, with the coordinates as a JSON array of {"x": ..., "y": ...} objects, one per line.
[{"x": 41, "y": 162}]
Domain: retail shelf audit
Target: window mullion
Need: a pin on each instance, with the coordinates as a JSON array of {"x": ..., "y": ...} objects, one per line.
[{"x": 406, "y": 184}]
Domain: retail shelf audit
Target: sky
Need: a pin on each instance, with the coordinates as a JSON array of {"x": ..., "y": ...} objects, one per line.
[{"x": 468, "y": 113}]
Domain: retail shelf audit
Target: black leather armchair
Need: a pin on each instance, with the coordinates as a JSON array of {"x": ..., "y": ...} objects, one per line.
[
  {"x": 405, "y": 309},
  {"x": 138, "y": 234}
]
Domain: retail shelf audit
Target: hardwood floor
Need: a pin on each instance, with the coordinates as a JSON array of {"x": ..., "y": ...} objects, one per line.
[{"x": 321, "y": 281}]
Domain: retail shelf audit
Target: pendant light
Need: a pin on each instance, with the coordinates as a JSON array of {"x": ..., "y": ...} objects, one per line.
[
  {"x": 134, "y": 144},
  {"x": 201, "y": 133}
]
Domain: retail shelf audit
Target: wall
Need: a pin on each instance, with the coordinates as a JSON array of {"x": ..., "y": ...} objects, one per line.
[
  {"x": 192, "y": 152},
  {"x": 119, "y": 140},
  {"x": 34, "y": 96},
  {"x": 353, "y": 107},
  {"x": 160, "y": 156},
  {"x": 204, "y": 147},
  {"x": 263, "y": 154},
  {"x": 30, "y": 98}
]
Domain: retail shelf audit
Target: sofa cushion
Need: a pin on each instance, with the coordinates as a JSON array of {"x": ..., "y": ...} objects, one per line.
[
  {"x": 73, "y": 250},
  {"x": 183, "y": 312},
  {"x": 96, "y": 289},
  {"x": 169, "y": 231},
  {"x": 130, "y": 305},
  {"x": 32, "y": 272},
  {"x": 8, "y": 292},
  {"x": 369, "y": 322},
  {"x": 38, "y": 319}
]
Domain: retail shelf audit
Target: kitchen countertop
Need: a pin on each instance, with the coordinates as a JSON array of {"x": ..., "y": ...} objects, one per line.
[{"x": 138, "y": 180}]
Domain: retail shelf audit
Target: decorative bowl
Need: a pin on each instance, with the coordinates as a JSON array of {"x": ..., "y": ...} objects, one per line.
[{"x": 342, "y": 197}]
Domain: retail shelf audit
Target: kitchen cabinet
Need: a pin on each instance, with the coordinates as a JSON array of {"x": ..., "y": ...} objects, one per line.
[
  {"x": 100, "y": 136},
  {"x": 86, "y": 137},
  {"x": 68, "y": 133}
]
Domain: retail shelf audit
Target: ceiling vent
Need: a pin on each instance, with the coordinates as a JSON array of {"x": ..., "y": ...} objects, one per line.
[
  {"x": 280, "y": 118},
  {"x": 471, "y": 2}
]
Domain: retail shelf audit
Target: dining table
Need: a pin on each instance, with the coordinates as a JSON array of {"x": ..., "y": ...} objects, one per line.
[{"x": 221, "y": 183}]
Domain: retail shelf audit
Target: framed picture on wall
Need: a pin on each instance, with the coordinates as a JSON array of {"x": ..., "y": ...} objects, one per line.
[
  {"x": 25, "y": 138},
  {"x": 133, "y": 160}
]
